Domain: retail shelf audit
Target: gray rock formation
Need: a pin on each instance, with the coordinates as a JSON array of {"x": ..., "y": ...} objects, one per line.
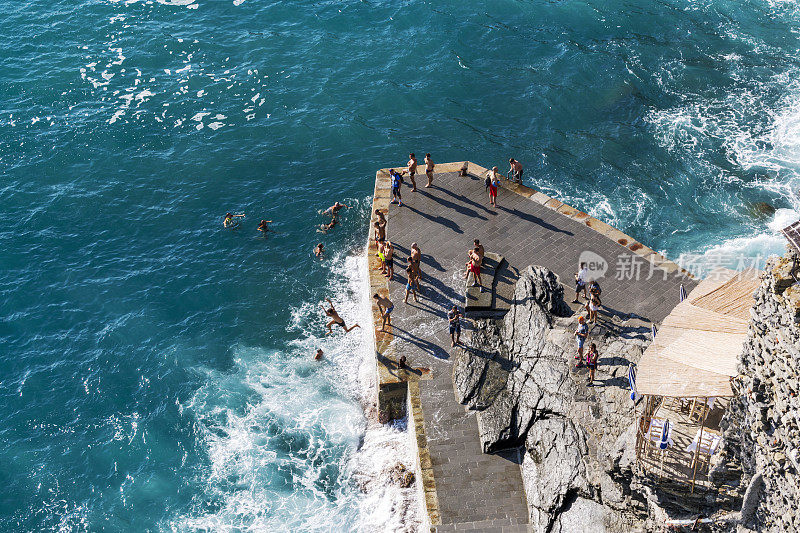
[
  {"x": 762, "y": 425},
  {"x": 519, "y": 375}
]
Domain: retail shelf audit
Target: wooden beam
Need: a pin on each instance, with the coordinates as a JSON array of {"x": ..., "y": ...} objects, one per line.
[{"x": 699, "y": 442}]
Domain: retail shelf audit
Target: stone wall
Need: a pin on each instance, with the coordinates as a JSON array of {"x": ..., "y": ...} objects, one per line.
[{"x": 762, "y": 425}]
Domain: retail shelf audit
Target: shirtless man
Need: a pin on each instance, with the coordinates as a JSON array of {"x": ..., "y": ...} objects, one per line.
[
  {"x": 335, "y": 318},
  {"x": 230, "y": 220},
  {"x": 381, "y": 216},
  {"x": 334, "y": 209},
  {"x": 380, "y": 231},
  {"x": 479, "y": 249},
  {"x": 319, "y": 354},
  {"x": 516, "y": 170},
  {"x": 385, "y": 306},
  {"x": 429, "y": 169},
  {"x": 416, "y": 261},
  {"x": 388, "y": 254},
  {"x": 411, "y": 170},
  {"x": 319, "y": 250},
  {"x": 474, "y": 266}
]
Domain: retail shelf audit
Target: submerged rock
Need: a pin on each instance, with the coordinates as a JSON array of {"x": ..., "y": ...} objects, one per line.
[{"x": 762, "y": 209}]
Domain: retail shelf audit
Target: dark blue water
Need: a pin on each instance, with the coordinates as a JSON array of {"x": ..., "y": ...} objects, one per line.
[{"x": 156, "y": 369}]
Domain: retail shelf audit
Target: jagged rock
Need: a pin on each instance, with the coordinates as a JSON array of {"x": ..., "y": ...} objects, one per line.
[
  {"x": 518, "y": 375},
  {"x": 761, "y": 426},
  {"x": 401, "y": 476}
]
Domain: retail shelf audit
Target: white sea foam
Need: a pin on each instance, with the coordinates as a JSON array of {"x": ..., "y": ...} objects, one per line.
[{"x": 289, "y": 449}]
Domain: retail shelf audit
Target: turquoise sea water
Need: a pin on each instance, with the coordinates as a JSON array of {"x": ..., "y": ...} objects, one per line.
[{"x": 156, "y": 369}]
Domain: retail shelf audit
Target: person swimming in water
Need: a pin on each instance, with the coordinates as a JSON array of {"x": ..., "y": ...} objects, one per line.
[
  {"x": 319, "y": 354},
  {"x": 318, "y": 251},
  {"x": 262, "y": 226},
  {"x": 230, "y": 220},
  {"x": 335, "y": 319},
  {"x": 323, "y": 228},
  {"x": 334, "y": 209}
]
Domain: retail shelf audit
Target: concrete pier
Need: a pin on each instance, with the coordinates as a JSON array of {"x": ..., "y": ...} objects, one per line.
[{"x": 463, "y": 488}]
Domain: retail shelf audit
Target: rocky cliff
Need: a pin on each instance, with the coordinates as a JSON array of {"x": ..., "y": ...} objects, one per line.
[
  {"x": 577, "y": 439},
  {"x": 762, "y": 425}
]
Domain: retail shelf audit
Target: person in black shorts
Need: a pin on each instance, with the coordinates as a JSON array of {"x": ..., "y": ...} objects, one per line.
[{"x": 454, "y": 318}]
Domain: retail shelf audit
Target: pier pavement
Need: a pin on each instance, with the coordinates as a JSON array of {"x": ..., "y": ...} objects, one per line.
[{"x": 463, "y": 488}]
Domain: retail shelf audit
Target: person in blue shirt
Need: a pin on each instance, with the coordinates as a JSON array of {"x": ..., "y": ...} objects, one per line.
[
  {"x": 397, "y": 182},
  {"x": 580, "y": 337}
]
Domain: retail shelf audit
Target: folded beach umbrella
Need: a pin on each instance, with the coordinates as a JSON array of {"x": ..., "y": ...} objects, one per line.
[
  {"x": 683, "y": 292},
  {"x": 653, "y": 329},
  {"x": 632, "y": 380},
  {"x": 665, "y": 441}
]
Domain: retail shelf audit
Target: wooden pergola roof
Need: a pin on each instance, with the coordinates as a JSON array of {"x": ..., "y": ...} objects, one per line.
[{"x": 696, "y": 351}]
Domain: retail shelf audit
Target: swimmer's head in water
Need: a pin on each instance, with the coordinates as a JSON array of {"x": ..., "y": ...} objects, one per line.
[{"x": 228, "y": 215}]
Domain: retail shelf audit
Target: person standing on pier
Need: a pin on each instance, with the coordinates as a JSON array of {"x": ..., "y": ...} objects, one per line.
[
  {"x": 474, "y": 266},
  {"x": 411, "y": 279},
  {"x": 380, "y": 231},
  {"x": 478, "y": 248},
  {"x": 385, "y": 307},
  {"x": 580, "y": 282},
  {"x": 580, "y": 338},
  {"x": 515, "y": 172},
  {"x": 415, "y": 259},
  {"x": 494, "y": 182},
  {"x": 412, "y": 170},
  {"x": 454, "y": 319},
  {"x": 388, "y": 254},
  {"x": 429, "y": 165},
  {"x": 397, "y": 182}
]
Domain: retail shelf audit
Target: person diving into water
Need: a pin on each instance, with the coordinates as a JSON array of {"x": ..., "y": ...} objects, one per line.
[{"x": 335, "y": 319}]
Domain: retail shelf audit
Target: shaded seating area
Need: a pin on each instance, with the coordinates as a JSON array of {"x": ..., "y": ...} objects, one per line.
[{"x": 684, "y": 377}]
